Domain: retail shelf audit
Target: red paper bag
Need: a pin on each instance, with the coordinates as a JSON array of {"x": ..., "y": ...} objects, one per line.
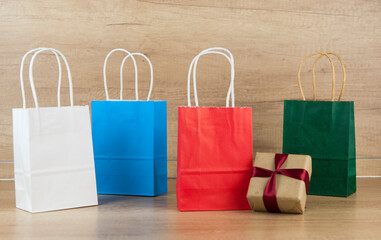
[{"x": 214, "y": 152}]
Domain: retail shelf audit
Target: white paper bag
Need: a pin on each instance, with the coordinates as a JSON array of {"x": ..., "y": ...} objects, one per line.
[{"x": 53, "y": 152}]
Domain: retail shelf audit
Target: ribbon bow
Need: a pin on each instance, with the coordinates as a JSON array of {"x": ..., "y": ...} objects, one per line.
[{"x": 269, "y": 195}]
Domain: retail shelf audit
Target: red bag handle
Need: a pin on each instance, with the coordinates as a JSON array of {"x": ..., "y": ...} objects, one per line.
[{"x": 193, "y": 65}]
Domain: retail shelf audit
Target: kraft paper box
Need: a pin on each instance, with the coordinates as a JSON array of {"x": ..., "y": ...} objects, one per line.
[{"x": 279, "y": 189}]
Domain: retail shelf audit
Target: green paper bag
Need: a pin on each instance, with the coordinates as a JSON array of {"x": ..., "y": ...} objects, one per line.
[{"x": 325, "y": 130}]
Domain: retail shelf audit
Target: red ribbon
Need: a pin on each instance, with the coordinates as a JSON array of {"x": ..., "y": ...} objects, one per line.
[{"x": 269, "y": 195}]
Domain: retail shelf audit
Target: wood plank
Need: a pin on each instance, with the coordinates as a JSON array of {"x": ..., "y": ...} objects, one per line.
[
  {"x": 268, "y": 40},
  {"x": 365, "y": 167},
  {"x": 123, "y": 217},
  {"x": 6, "y": 170},
  {"x": 368, "y": 167}
]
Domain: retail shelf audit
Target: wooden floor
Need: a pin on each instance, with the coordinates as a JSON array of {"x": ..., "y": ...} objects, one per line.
[{"x": 355, "y": 217}]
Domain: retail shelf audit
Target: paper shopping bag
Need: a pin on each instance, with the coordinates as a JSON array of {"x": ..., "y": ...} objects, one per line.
[
  {"x": 214, "y": 157},
  {"x": 53, "y": 152},
  {"x": 130, "y": 142},
  {"x": 325, "y": 130}
]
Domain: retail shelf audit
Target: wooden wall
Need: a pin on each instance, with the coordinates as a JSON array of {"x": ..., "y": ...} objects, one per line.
[{"x": 268, "y": 39}]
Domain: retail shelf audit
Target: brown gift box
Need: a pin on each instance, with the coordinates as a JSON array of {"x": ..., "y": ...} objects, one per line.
[{"x": 291, "y": 193}]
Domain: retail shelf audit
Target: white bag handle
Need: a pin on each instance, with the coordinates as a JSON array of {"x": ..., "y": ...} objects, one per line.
[
  {"x": 193, "y": 65},
  {"x": 136, "y": 73},
  {"x": 38, "y": 51},
  {"x": 22, "y": 71},
  {"x": 121, "y": 74}
]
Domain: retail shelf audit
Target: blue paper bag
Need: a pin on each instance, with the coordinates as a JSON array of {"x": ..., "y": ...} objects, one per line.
[{"x": 130, "y": 143}]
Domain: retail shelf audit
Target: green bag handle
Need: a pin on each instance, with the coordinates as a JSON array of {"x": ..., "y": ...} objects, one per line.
[
  {"x": 343, "y": 69},
  {"x": 321, "y": 54}
]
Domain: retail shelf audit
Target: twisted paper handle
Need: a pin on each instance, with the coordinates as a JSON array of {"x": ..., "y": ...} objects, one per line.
[
  {"x": 121, "y": 73},
  {"x": 36, "y": 52},
  {"x": 193, "y": 67},
  {"x": 321, "y": 54},
  {"x": 343, "y": 69}
]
